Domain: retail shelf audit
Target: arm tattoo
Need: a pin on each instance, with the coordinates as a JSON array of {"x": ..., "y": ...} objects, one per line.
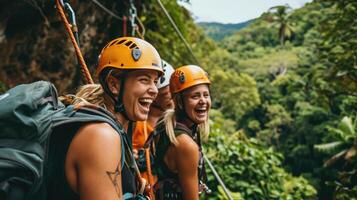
[{"x": 113, "y": 176}]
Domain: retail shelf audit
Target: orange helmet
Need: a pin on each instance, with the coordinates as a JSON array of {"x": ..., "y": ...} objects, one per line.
[
  {"x": 129, "y": 53},
  {"x": 187, "y": 76}
]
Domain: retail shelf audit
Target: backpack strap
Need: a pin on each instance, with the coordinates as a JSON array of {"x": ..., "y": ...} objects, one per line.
[{"x": 83, "y": 114}]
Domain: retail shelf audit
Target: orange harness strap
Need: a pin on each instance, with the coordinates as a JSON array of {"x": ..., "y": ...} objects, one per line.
[{"x": 148, "y": 166}]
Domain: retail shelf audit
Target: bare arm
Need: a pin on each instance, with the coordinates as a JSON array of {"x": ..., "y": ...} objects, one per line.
[
  {"x": 93, "y": 166},
  {"x": 187, "y": 157}
]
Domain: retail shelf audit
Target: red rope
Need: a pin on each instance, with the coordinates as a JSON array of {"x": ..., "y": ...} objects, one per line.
[{"x": 84, "y": 67}]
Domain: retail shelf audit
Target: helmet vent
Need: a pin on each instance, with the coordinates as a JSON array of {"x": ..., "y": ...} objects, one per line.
[
  {"x": 121, "y": 41},
  {"x": 128, "y": 43},
  {"x": 111, "y": 44},
  {"x": 132, "y": 46}
]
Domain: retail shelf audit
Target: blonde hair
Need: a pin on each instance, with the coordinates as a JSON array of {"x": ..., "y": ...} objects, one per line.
[
  {"x": 87, "y": 94},
  {"x": 170, "y": 121}
]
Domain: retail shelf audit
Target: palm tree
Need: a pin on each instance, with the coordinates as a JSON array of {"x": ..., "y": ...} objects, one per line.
[
  {"x": 346, "y": 142},
  {"x": 281, "y": 17}
]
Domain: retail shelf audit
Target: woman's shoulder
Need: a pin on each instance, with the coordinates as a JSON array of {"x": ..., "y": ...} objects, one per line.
[
  {"x": 97, "y": 136},
  {"x": 96, "y": 143},
  {"x": 186, "y": 144}
]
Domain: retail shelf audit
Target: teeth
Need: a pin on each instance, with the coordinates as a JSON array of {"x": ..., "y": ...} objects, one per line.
[{"x": 145, "y": 100}]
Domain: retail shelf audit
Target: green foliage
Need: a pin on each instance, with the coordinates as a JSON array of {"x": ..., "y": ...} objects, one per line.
[
  {"x": 236, "y": 93},
  {"x": 345, "y": 136},
  {"x": 222, "y": 195},
  {"x": 338, "y": 47},
  {"x": 162, "y": 35},
  {"x": 249, "y": 169}
]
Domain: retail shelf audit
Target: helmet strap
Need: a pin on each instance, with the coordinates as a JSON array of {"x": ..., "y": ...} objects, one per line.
[{"x": 118, "y": 101}]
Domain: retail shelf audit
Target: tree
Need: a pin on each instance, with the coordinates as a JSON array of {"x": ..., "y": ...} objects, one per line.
[
  {"x": 345, "y": 144},
  {"x": 281, "y": 18},
  {"x": 338, "y": 46},
  {"x": 346, "y": 141}
]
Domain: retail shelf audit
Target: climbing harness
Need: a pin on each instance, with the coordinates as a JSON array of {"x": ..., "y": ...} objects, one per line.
[{"x": 60, "y": 5}]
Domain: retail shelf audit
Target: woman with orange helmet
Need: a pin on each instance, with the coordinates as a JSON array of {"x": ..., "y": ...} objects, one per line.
[
  {"x": 179, "y": 159},
  {"x": 128, "y": 70}
]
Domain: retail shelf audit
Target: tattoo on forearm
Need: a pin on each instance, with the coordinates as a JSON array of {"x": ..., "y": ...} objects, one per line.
[{"x": 113, "y": 176}]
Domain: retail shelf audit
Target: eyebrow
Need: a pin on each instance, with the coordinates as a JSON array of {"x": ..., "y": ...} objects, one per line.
[{"x": 146, "y": 75}]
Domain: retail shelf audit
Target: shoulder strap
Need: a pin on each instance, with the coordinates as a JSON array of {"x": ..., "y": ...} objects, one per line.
[
  {"x": 85, "y": 114},
  {"x": 182, "y": 128},
  {"x": 127, "y": 155}
]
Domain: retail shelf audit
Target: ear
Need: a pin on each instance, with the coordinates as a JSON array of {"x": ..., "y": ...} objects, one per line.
[{"x": 113, "y": 84}]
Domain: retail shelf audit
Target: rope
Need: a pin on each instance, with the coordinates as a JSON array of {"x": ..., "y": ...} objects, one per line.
[
  {"x": 218, "y": 178},
  {"x": 178, "y": 32},
  {"x": 106, "y": 10},
  {"x": 84, "y": 68}
]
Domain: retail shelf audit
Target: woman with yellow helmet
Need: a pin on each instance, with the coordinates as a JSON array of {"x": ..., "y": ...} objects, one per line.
[
  {"x": 179, "y": 158},
  {"x": 128, "y": 70}
]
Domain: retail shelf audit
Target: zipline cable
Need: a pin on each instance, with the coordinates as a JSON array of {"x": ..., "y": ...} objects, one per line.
[
  {"x": 84, "y": 68},
  {"x": 106, "y": 10},
  {"x": 178, "y": 32},
  {"x": 218, "y": 178}
]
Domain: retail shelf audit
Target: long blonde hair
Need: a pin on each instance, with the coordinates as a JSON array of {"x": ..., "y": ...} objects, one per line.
[
  {"x": 170, "y": 120},
  {"x": 87, "y": 94}
]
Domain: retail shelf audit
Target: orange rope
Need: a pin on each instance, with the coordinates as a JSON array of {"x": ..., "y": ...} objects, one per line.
[
  {"x": 84, "y": 67},
  {"x": 148, "y": 165}
]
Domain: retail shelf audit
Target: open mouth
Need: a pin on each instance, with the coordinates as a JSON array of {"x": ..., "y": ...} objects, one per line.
[
  {"x": 201, "y": 111},
  {"x": 145, "y": 103}
]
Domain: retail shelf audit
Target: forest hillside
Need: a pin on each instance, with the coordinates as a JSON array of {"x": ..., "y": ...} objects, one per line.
[{"x": 284, "y": 117}]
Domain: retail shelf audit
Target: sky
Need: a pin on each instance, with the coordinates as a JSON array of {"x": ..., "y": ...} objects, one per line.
[{"x": 234, "y": 11}]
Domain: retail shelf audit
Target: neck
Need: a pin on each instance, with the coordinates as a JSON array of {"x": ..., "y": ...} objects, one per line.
[
  {"x": 123, "y": 121},
  {"x": 118, "y": 116}
]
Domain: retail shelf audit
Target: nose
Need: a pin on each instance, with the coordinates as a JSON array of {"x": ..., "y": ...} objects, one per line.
[
  {"x": 202, "y": 100},
  {"x": 153, "y": 90}
]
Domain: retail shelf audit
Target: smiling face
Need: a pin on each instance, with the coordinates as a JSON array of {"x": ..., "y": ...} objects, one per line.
[
  {"x": 139, "y": 92},
  {"x": 163, "y": 99},
  {"x": 197, "y": 102}
]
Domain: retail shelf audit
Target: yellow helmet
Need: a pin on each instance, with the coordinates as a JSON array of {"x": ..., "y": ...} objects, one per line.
[
  {"x": 129, "y": 53},
  {"x": 187, "y": 76}
]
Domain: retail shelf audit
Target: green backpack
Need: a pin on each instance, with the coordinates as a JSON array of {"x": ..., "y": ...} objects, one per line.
[{"x": 28, "y": 115}]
